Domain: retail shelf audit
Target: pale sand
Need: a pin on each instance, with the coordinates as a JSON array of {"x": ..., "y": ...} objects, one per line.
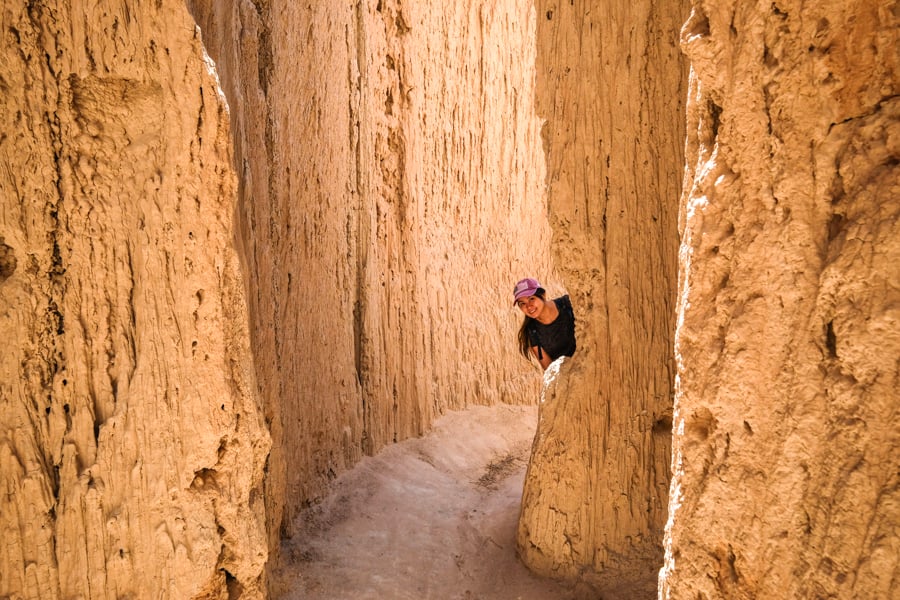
[{"x": 426, "y": 518}]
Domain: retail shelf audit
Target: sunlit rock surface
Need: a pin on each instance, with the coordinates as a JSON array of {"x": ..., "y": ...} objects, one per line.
[
  {"x": 373, "y": 189},
  {"x": 786, "y": 450},
  {"x": 132, "y": 445},
  {"x": 611, "y": 83},
  {"x": 391, "y": 195}
]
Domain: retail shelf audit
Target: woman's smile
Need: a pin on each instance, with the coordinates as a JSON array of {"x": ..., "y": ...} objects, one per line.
[{"x": 531, "y": 306}]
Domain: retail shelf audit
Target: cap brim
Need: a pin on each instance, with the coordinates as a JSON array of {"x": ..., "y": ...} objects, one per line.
[{"x": 524, "y": 294}]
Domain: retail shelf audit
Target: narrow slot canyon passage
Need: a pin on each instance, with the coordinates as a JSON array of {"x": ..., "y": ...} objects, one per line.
[
  {"x": 256, "y": 264},
  {"x": 432, "y": 517},
  {"x": 268, "y": 245}
]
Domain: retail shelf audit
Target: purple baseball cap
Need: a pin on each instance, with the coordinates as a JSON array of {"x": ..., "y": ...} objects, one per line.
[{"x": 526, "y": 287}]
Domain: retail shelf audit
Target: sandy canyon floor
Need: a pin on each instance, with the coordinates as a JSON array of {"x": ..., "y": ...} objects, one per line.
[{"x": 429, "y": 518}]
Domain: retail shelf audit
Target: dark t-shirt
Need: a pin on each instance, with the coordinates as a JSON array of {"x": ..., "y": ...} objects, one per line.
[{"x": 558, "y": 338}]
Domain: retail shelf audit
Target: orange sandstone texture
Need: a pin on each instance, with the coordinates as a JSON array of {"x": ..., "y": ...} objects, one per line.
[
  {"x": 787, "y": 445},
  {"x": 132, "y": 445},
  {"x": 611, "y": 82},
  {"x": 389, "y": 190},
  {"x": 391, "y": 194}
]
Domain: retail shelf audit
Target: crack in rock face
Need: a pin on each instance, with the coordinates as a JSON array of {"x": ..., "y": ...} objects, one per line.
[{"x": 8, "y": 262}]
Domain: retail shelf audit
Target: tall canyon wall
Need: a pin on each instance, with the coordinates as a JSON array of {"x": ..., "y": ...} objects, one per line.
[
  {"x": 373, "y": 187},
  {"x": 611, "y": 83},
  {"x": 787, "y": 445},
  {"x": 212, "y": 308},
  {"x": 392, "y": 193},
  {"x": 131, "y": 440}
]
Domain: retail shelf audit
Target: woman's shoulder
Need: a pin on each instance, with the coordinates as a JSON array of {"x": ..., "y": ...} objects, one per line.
[
  {"x": 564, "y": 306},
  {"x": 563, "y": 301}
]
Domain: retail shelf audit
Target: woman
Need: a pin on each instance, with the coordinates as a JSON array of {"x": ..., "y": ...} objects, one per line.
[{"x": 548, "y": 330}]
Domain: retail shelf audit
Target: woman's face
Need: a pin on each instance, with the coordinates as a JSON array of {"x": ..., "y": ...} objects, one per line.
[{"x": 531, "y": 306}]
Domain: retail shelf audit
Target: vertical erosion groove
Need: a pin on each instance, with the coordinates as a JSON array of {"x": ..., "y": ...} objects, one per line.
[{"x": 8, "y": 261}]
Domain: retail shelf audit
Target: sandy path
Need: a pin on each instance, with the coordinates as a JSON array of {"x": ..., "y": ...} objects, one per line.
[{"x": 427, "y": 518}]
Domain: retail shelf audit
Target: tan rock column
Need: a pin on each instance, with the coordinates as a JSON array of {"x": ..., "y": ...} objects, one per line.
[
  {"x": 610, "y": 83},
  {"x": 131, "y": 443},
  {"x": 787, "y": 445}
]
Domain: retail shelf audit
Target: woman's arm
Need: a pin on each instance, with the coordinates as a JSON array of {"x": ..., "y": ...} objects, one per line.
[{"x": 542, "y": 357}]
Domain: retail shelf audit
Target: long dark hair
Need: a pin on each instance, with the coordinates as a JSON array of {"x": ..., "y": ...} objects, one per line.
[{"x": 524, "y": 341}]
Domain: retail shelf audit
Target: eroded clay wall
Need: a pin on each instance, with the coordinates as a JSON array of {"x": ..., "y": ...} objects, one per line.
[
  {"x": 391, "y": 194},
  {"x": 389, "y": 191},
  {"x": 131, "y": 443},
  {"x": 611, "y": 84},
  {"x": 786, "y": 450}
]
